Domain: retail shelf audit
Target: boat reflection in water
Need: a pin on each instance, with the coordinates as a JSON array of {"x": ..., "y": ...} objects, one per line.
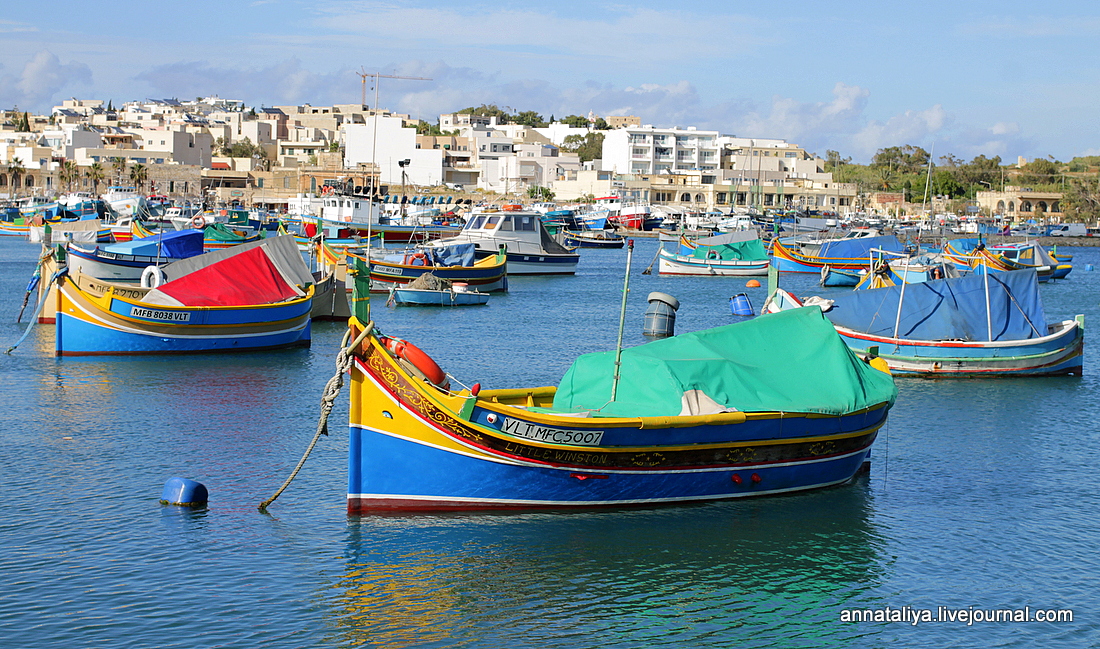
[{"x": 780, "y": 567}]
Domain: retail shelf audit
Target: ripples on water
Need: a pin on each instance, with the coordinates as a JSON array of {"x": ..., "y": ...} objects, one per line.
[{"x": 983, "y": 493}]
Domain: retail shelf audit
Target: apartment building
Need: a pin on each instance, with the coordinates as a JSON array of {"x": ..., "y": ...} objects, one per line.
[
  {"x": 385, "y": 141},
  {"x": 650, "y": 150}
]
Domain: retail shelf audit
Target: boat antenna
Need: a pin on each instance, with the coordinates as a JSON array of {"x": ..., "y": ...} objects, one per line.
[
  {"x": 622, "y": 320},
  {"x": 927, "y": 179}
]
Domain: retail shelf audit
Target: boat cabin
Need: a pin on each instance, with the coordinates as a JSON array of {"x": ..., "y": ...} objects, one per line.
[{"x": 489, "y": 223}]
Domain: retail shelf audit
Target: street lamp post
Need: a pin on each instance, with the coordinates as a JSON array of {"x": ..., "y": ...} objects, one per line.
[{"x": 403, "y": 163}]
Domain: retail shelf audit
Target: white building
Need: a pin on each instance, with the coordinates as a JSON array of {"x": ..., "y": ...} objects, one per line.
[
  {"x": 394, "y": 143},
  {"x": 650, "y": 150},
  {"x": 175, "y": 143},
  {"x": 65, "y": 140},
  {"x": 558, "y": 131}
]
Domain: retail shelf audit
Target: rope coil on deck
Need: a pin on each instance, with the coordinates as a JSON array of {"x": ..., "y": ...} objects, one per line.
[{"x": 328, "y": 397}]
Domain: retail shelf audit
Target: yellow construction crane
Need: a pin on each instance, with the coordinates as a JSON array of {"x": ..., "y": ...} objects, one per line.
[{"x": 366, "y": 75}]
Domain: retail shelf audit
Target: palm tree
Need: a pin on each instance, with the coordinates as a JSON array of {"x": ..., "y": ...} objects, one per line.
[
  {"x": 96, "y": 174},
  {"x": 119, "y": 163},
  {"x": 68, "y": 173},
  {"x": 15, "y": 169},
  {"x": 885, "y": 175},
  {"x": 138, "y": 175}
]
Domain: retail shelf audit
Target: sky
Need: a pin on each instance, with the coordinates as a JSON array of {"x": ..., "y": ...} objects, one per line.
[{"x": 972, "y": 78}]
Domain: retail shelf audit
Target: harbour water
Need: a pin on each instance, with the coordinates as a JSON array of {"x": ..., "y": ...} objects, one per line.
[{"x": 982, "y": 494}]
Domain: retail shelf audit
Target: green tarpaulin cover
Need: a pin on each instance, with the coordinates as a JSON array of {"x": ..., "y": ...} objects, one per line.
[
  {"x": 219, "y": 232},
  {"x": 793, "y": 361},
  {"x": 752, "y": 250}
]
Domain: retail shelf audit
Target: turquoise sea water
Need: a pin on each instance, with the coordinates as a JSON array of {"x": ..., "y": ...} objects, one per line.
[{"x": 982, "y": 493}]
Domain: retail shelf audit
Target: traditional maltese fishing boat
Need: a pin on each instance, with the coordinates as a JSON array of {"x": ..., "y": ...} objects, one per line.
[
  {"x": 767, "y": 406},
  {"x": 990, "y": 324},
  {"x": 258, "y": 296},
  {"x": 736, "y": 254}
]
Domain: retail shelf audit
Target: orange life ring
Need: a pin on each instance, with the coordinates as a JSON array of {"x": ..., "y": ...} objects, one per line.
[
  {"x": 418, "y": 358},
  {"x": 198, "y": 221},
  {"x": 421, "y": 257}
]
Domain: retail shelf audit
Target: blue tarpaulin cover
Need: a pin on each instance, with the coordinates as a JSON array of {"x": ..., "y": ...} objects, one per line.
[
  {"x": 859, "y": 248},
  {"x": 459, "y": 254},
  {"x": 179, "y": 244},
  {"x": 948, "y": 309}
]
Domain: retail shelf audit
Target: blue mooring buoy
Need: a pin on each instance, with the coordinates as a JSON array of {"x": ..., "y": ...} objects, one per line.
[
  {"x": 183, "y": 492},
  {"x": 1088, "y": 266},
  {"x": 740, "y": 305}
]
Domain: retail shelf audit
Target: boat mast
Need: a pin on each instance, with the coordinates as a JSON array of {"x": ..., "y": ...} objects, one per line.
[
  {"x": 622, "y": 320},
  {"x": 927, "y": 179},
  {"x": 371, "y": 209}
]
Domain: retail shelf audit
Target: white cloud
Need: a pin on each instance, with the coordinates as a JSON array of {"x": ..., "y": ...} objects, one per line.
[
  {"x": 41, "y": 80},
  {"x": 12, "y": 27},
  {"x": 841, "y": 122},
  {"x": 285, "y": 82}
]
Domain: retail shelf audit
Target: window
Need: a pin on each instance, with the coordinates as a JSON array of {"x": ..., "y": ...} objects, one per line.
[
  {"x": 721, "y": 198},
  {"x": 260, "y": 183},
  {"x": 171, "y": 186},
  {"x": 491, "y": 224},
  {"x": 506, "y": 224},
  {"x": 685, "y": 197},
  {"x": 286, "y": 182},
  {"x": 707, "y": 180}
]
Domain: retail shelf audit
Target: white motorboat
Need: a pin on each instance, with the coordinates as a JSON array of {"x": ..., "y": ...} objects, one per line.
[{"x": 530, "y": 248}]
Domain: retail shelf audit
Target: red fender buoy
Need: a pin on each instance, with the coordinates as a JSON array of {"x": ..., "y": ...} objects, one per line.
[{"x": 419, "y": 359}]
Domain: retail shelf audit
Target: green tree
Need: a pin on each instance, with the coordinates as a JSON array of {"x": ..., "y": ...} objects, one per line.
[
  {"x": 68, "y": 173},
  {"x": 119, "y": 164},
  {"x": 906, "y": 159},
  {"x": 139, "y": 173},
  {"x": 575, "y": 121},
  {"x": 600, "y": 124},
  {"x": 1039, "y": 172},
  {"x": 488, "y": 110},
  {"x": 588, "y": 146},
  {"x": 833, "y": 161},
  {"x": 96, "y": 174},
  {"x": 540, "y": 193},
  {"x": 1081, "y": 199},
  {"x": 529, "y": 118},
  {"x": 884, "y": 174},
  {"x": 978, "y": 171},
  {"x": 15, "y": 170}
]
